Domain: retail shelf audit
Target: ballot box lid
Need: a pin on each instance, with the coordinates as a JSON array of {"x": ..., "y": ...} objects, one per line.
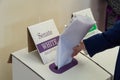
[{"x": 84, "y": 70}]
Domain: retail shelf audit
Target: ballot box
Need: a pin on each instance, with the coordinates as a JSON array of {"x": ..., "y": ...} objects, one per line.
[
  {"x": 28, "y": 66},
  {"x": 107, "y": 59}
]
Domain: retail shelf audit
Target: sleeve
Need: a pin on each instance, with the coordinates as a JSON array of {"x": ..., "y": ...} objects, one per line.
[{"x": 103, "y": 41}]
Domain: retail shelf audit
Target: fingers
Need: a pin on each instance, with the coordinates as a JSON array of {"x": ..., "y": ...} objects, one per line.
[
  {"x": 74, "y": 54},
  {"x": 76, "y": 50}
]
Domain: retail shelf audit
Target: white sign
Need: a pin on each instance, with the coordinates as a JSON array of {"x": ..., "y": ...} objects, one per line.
[
  {"x": 45, "y": 36},
  {"x": 87, "y": 12}
]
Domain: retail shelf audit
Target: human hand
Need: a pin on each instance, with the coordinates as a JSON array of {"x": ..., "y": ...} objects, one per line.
[{"x": 78, "y": 48}]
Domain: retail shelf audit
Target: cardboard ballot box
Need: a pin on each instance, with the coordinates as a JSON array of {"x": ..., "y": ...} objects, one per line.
[
  {"x": 42, "y": 41},
  {"x": 109, "y": 56},
  {"x": 28, "y": 66}
]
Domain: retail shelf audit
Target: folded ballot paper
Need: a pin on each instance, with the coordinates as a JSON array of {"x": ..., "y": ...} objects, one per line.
[{"x": 72, "y": 35}]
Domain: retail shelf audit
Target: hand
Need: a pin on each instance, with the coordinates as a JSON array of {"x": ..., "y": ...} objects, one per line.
[{"x": 78, "y": 48}]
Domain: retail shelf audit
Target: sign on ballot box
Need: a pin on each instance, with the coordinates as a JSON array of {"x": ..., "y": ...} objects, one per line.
[
  {"x": 43, "y": 37},
  {"x": 88, "y": 13}
]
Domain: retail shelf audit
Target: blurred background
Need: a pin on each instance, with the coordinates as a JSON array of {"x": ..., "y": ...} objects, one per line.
[{"x": 17, "y": 15}]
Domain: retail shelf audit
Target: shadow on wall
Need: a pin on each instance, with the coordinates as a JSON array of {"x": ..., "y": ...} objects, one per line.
[
  {"x": 14, "y": 38},
  {"x": 99, "y": 12}
]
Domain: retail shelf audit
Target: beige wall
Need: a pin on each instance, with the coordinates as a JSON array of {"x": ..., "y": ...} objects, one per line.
[{"x": 16, "y": 15}]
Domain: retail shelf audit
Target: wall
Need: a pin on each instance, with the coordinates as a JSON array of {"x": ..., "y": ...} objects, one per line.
[{"x": 16, "y": 15}]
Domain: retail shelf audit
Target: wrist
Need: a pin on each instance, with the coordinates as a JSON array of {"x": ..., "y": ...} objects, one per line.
[
  {"x": 83, "y": 48},
  {"x": 82, "y": 45}
]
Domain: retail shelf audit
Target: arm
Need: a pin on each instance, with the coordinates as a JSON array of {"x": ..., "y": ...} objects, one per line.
[
  {"x": 100, "y": 42},
  {"x": 103, "y": 41}
]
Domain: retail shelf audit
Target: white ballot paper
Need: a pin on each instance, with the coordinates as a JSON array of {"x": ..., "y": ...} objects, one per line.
[{"x": 73, "y": 34}]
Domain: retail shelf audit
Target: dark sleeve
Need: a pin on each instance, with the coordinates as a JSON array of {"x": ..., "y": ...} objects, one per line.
[{"x": 103, "y": 41}]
